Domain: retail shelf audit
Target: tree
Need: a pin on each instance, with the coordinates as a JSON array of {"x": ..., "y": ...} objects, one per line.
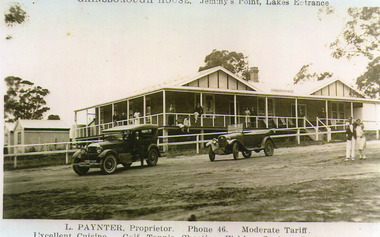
[
  {"x": 23, "y": 100},
  {"x": 16, "y": 15},
  {"x": 369, "y": 82},
  {"x": 232, "y": 61},
  {"x": 360, "y": 37},
  {"x": 54, "y": 117},
  {"x": 303, "y": 75}
]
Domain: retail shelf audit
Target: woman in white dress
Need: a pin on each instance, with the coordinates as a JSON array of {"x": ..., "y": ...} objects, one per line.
[{"x": 361, "y": 139}]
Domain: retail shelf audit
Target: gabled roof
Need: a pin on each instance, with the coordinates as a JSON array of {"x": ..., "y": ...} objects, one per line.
[
  {"x": 213, "y": 70},
  {"x": 42, "y": 124},
  {"x": 324, "y": 83},
  {"x": 9, "y": 126}
]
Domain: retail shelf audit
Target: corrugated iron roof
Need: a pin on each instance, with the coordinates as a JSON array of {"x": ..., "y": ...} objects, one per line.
[{"x": 43, "y": 124}]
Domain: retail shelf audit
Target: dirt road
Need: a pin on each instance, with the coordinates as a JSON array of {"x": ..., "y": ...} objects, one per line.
[{"x": 311, "y": 183}]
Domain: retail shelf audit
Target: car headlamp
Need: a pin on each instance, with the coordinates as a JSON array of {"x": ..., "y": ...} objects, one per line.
[
  {"x": 83, "y": 151},
  {"x": 99, "y": 150}
]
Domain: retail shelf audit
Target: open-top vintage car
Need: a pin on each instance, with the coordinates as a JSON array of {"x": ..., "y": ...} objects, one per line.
[
  {"x": 121, "y": 145},
  {"x": 239, "y": 140}
]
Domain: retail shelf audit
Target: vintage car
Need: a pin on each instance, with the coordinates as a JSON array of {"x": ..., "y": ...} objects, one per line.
[
  {"x": 121, "y": 145},
  {"x": 239, "y": 140}
]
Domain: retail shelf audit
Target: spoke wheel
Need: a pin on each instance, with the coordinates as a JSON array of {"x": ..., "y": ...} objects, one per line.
[
  {"x": 269, "y": 148},
  {"x": 235, "y": 151},
  {"x": 211, "y": 154},
  {"x": 80, "y": 170},
  {"x": 152, "y": 157},
  {"x": 109, "y": 164}
]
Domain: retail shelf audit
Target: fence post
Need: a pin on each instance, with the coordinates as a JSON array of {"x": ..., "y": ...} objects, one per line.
[
  {"x": 197, "y": 144},
  {"x": 317, "y": 131},
  {"x": 67, "y": 153},
  {"x": 328, "y": 134},
  {"x": 298, "y": 136},
  {"x": 15, "y": 162}
]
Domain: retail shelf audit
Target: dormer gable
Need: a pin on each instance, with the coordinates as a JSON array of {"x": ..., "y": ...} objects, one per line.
[
  {"x": 336, "y": 88},
  {"x": 218, "y": 78}
]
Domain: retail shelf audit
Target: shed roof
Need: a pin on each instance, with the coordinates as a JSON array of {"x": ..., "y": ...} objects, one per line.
[{"x": 42, "y": 124}]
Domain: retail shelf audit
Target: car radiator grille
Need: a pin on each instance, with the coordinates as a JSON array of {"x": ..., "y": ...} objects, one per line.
[
  {"x": 222, "y": 141},
  {"x": 91, "y": 150}
]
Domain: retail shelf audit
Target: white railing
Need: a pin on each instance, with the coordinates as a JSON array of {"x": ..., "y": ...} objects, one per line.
[{"x": 163, "y": 141}]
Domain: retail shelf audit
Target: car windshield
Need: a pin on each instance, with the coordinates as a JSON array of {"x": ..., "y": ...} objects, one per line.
[
  {"x": 233, "y": 128},
  {"x": 113, "y": 136}
]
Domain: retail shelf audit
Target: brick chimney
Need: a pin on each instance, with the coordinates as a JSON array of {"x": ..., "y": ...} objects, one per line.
[{"x": 254, "y": 73}]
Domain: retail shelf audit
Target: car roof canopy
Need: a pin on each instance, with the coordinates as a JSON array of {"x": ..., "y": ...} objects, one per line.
[{"x": 130, "y": 127}]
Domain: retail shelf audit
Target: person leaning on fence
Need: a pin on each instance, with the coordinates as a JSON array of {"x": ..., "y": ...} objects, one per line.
[
  {"x": 351, "y": 138},
  {"x": 361, "y": 140}
]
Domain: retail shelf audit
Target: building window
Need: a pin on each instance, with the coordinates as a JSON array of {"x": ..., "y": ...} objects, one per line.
[{"x": 19, "y": 138}]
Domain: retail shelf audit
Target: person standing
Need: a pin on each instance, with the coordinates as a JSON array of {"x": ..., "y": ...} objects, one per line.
[
  {"x": 171, "y": 115},
  {"x": 247, "y": 114},
  {"x": 351, "y": 138},
  {"x": 198, "y": 111},
  {"x": 360, "y": 139}
]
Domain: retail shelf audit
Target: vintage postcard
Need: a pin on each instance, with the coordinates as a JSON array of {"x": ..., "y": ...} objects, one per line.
[{"x": 190, "y": 118}]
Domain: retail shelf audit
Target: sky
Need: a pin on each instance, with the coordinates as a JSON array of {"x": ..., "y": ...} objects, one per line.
[{"x": 88, "y": 53}]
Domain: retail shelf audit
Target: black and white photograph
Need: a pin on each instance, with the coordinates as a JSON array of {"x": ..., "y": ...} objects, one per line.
[{"x": 190, "y": 118}]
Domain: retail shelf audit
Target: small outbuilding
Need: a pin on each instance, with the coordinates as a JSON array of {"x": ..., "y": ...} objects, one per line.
[{"x": 40, "y": 132}]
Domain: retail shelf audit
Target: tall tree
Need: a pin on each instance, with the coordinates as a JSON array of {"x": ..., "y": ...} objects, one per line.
[
  {"x": 232, "y": 61},
  {"x": 15, "y": 15},
  {"x": 360, "y": 37},
  {"x": 304, "y": 75},
  {"x": 24, "y": 100}
]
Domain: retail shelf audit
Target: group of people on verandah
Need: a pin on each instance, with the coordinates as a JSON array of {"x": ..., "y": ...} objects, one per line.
[{"x": 355, "y": 139}]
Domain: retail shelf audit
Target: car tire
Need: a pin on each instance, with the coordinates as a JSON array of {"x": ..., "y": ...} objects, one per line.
[
  {"x": 80, "y": 170},
  {"x": 247, "y": 154},
  {"x": 152, "y": 157},
  {"x": 211, "y": 154},
  {"x": 269, "y": 148},
  {"x": 108, "y": 165},
  {"x": 235, "y": 150}
]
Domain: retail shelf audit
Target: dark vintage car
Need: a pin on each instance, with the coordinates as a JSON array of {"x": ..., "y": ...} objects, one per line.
[
  {"x": 121, "y": 145},
  {"x": 239, "y": 140}
]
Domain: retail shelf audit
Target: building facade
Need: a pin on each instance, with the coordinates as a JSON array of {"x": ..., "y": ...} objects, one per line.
[{"x": 226, "y": 99}]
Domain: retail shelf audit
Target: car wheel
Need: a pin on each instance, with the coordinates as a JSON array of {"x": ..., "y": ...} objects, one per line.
[
  {"x": 235, "y": 151},
  {"x": 152, "y": 157},
  {"x": 211, "y": 154},
  {"x": 109, "y": 164},
  {"x": 247, "y": 154},
  {"x": 269, "y": 148},
  {"x": 126, "y": 165},
  {"x": 80, "y": 170}
]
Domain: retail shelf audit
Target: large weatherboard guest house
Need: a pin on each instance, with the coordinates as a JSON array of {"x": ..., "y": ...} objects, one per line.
[{"x": 227, "y": 99}]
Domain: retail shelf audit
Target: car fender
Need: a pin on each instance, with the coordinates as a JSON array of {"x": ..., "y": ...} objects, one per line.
[
  {"x": 106, "y": 152},
  {"x": 154, "y": 146},
  {"x": 265, "y": 139},
  {"x": 77, "y": 154},
  {"x": 241, "y": 146}
]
